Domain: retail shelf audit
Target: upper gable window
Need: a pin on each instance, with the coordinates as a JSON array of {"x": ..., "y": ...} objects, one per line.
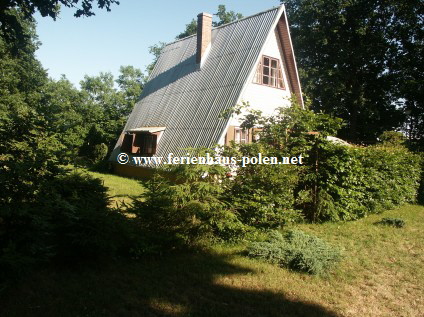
[{"x": 269, "y": 73}]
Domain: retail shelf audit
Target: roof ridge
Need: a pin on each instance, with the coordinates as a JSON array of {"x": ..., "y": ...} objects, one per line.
[
  {"x": 248, "y": 17},
  {"x": 224, "y": 25}
]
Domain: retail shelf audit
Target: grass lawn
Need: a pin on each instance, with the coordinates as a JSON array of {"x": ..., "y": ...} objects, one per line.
[
  {"x": 120, "y": 189},
  {"x": 382, "y": 274}
]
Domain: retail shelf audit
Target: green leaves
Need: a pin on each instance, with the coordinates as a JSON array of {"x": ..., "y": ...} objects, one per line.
[{"x": 357, "y": 58}]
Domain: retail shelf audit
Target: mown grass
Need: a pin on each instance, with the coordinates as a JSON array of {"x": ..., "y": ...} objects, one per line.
[
  {"x": 120, "y": 189},
  {"x": 381, "y": 274}
]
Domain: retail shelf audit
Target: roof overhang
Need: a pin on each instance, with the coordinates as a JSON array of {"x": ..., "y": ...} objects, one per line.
[{"x": 147, "y": 129}]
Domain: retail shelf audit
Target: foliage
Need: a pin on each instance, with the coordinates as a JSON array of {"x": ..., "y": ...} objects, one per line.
[
  {"x": 99, "y": 152},
  {"x": 68, "y": 220},
  {"x": 109, "y": 107},
  {"x": 392, "y": 138},
  {"x": 335, "y": 182},
  {"x": 191, "y": 28},
  {"x": 155, "y": 50},
  {"x": 27, "y": 149},
  {"x": 421, "y": 187},
  {"x": 81, "y": 223},
  {"x": 186, "y": 206},
  {"x": 357, "y": 59},
  {"x": 223, "y": 15},
  {"x": 296, "y": 250},
  {"x": 263, "y": 195},
  {"x": 392, "y": 222}
]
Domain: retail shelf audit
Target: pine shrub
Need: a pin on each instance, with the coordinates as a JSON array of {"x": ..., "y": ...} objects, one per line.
[{"x": 296, "y": 250}]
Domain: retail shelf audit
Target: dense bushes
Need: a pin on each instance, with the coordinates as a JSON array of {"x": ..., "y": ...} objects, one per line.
[
  {"x": 263, "y": 195},
  {"x": 189, "y": 208},
  {"x": 296, "y": 250},
  {"x": 69, "y": 221},
  {"x": 351, "y": 182},
  {"x": 336, "y": 182}
]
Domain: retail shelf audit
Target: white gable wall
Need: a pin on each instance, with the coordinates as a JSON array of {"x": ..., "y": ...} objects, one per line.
[{"x": 261, "y": 97}]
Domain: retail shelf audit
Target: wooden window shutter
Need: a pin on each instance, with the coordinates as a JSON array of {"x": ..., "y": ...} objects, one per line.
[{"x": 127, "y": 142}]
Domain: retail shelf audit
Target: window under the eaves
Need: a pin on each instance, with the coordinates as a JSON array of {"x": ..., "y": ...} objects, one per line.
[{"x": 269, "y": 73}]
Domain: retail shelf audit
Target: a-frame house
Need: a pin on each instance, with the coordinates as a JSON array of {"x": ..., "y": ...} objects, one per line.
[{"x": 199, "y": 77}]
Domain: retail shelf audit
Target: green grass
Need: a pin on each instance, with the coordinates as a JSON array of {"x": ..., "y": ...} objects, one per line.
[
  {"x": 120, "y": 189},
  {"x": 381, "y": 275}
]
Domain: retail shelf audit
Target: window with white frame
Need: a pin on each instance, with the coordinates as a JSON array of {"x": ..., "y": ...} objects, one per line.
[{"x": 241, "y": 136}]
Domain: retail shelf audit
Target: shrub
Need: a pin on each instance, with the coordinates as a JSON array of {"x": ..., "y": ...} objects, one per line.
[
  {"x": 296, "y": 250},
  {"x": 70, "y": 220},
  {"x": 392, "y": 138},
  {"x": 335, "y": 183},
  {"x": 347, "y": 183},
  {"x": 392, "y": 222},
  {"x": 186, "y": 206},
  {"x": 263, "y": 195},
  {"x": 421, "y": 187},
  {"x": 82, "y": 224},
  {"x": 99, "y": 152}
]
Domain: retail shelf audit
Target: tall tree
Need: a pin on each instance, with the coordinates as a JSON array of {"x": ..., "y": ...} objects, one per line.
[
  {"x": 110, "y": 105},
  {"x": 348, "y": 54},
  {"x": 225, "y": 16},
  {"x": 27, "y": 149},
  {"x": 130, "y": 83}
]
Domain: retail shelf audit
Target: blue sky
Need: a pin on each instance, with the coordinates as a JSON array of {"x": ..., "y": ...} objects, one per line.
[{"x": 79, "y": 46}]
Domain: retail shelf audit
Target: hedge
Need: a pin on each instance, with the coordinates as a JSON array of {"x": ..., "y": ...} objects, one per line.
[{"x": 352, "y": 182}]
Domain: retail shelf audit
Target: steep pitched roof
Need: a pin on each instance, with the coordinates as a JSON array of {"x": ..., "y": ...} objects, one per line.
[{"x": 188, "y": 100}]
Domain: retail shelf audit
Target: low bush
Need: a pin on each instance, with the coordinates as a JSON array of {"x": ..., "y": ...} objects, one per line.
[
  {"x": 336, "y": 182},
  {"x": 392, "y": 222},
  {"x": 82, "y": 224},
  {"x": 296, "y": 250}
]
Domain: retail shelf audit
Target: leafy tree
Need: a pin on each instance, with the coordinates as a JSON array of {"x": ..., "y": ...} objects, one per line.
[
  {"x": 190, "y": 29},
  {"x": 27, "y": 148},
  {"x": 109, "y": 106},
  {"x": 155, "y": 50},
  {"x": 226, "y": 17},
  {"x": 130, "y": 83},
  {"x": 354, "y": 57},
  {"x": 223, "y": 15},
  {"x": 66, "y": 111}
]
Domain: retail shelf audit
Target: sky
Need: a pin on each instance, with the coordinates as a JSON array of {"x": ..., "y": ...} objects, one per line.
[{"x": 102, "y": 43}]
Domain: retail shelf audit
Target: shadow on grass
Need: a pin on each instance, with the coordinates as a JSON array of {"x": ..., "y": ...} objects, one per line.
[{"x": 177, "y": 285}]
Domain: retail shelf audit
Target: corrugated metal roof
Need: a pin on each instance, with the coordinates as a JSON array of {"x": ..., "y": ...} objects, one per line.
[{"x": 188, "y": 100}]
